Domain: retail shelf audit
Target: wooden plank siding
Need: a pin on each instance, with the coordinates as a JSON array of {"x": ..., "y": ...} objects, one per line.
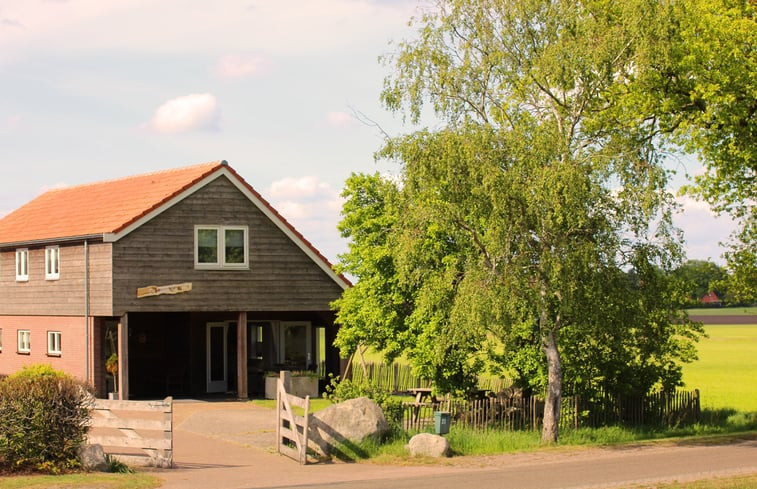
[
  {"x": 61, "y": 297},
  {"x": 281, "y": 277}
]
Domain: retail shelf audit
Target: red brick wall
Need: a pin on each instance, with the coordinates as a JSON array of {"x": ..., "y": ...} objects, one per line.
[{"x": 71, "y": 359}]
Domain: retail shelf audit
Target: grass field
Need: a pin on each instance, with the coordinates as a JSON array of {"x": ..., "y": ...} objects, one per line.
[
  {"x": 726, "y": 372},
  {"x": 723, "y": 311}
]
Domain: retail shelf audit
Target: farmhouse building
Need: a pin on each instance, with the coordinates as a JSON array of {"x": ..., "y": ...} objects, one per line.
[
  {"x": 711, "y": 299},
  {"x": 188, "y": 275}
]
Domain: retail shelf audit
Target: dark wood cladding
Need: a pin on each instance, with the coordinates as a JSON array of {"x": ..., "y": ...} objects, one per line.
[
  {"x": 281, "y": 277},
  {"x": 61, "y": 297}
]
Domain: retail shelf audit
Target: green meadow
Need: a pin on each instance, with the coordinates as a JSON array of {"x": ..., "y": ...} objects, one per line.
[{"x": 726, "y": 372}]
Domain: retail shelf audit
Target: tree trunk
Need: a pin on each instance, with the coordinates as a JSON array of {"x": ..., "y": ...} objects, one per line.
[{"x": 551, "y": 426}]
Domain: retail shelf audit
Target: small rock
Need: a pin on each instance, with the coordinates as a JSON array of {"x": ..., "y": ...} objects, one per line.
[
  {"x": 429, "y": 445},
  {"x": 92, "y": 457}
]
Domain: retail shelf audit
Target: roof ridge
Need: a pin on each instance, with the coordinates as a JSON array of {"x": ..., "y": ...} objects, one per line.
[{"x": 209, "y": 164}]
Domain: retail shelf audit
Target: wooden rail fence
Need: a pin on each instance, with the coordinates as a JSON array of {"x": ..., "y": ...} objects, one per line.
[
  {"x": 291, "y": 428},
  {"x": 525, "y": 413},
  {"x": 401, "y": 378},
  {"x": 135, "y": 432}
]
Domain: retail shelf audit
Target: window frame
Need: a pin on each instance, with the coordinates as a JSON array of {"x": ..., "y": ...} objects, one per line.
[
  {"x": 27, "y": 347},
  {"x": 22, "y": 264},
  {"x": 52, "y": 256},
  {"x": 57, "y": 339},
  {"x": 1, "y": 340},
  {"x": 221, "y": 262}
]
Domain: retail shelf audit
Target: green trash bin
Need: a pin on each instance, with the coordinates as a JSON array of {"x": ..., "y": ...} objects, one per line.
[{"x": 441, "y": 422}]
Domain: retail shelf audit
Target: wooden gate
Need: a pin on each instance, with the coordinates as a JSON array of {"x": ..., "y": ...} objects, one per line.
[
  {"x": 136, "y": 432},
  {"x": 291, "y": 428}
]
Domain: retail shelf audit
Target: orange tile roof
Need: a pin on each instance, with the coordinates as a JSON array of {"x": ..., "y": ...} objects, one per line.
[
  {"x": 111, "y": 206},
  {"x": 98, "y": 208}
]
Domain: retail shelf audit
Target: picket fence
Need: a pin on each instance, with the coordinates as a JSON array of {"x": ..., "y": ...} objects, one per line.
[{"x": 525, "y": 412}]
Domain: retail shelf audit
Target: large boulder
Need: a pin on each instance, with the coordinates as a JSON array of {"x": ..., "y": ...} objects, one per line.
[
  {"x": 350, "y": 421},
  {"x": 92, "y": 458},
  {"x": 428, "y": 445}
]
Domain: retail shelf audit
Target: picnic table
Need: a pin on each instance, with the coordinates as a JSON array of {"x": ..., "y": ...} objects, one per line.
[{"x": 422, "y": 394}]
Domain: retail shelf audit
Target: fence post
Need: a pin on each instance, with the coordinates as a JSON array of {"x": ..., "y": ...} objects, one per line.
[
  {"x": 575, "y": 411},
  {"x": 697, "y": 412}
]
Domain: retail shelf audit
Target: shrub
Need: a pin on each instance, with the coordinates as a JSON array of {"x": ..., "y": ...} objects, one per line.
[{"x": 44, "y": 414}]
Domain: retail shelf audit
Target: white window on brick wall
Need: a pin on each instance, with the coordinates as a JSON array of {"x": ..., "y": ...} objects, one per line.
[
  {"x": 53, "y": 343},
  {"x": 22, "y": 265},
  {"x": 24, "y": 341},
  {"x": 52, "y": 263}
]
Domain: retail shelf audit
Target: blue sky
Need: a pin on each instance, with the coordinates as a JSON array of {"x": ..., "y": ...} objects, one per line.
[{"x": 99, "y": 89}]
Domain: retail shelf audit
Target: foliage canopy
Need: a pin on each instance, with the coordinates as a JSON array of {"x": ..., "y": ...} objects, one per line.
[{"x": 527, "y": 233}]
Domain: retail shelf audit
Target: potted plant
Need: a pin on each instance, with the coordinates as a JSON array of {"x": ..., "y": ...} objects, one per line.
[
  {"x": 111, "y": 366},
  {"x": 304, "y": 383}
]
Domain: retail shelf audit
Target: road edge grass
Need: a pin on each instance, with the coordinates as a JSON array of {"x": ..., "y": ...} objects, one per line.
[
  {"x": 95, "y": 480},
  {"x": 739, "y": 481}
]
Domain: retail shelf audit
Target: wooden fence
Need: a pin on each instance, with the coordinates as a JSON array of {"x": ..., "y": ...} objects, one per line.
[
  {"x": 394, "y": 378},
  {"x": 400, "y": 378},
  {"x": 525, "y": 413},
  {"x": 291, "y": 428},
  {"x": 135, "y": 432},
  {"x": 656, "y": 409}
]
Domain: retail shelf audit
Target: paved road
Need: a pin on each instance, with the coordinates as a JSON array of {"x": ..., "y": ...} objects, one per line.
[
  {"x": 592, "y": 469},
  {"x": 228, "y": 446}
]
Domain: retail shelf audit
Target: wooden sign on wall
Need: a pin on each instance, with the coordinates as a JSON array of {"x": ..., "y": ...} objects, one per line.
[{"x": 152, "y": 290}]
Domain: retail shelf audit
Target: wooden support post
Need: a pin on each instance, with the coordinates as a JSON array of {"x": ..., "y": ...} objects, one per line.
[
  {"x": 242, "y": 355},
  {"x": 123, "y": 357}
]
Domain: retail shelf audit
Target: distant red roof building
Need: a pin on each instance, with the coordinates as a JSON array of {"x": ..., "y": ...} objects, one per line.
[{"x": 711, "y": 298}]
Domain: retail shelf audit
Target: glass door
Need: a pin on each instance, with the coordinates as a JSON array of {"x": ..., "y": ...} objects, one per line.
[{"x": 217, "y": 357}]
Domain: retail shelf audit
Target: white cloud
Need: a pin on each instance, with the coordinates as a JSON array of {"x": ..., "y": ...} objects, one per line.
[
  {"x": 11, "y": 23},
  {"x": 195, "y": 112},
  {"x": 312, "y": 206},
  {"x": 340, "y": 119},
  {"x": 241, "y": 66},
  {"x": 703, "y": 230},
  {"x": 301, "y": 188},
  {"x": 15, "y": 121},
  {"x": 292, "y": 27}
]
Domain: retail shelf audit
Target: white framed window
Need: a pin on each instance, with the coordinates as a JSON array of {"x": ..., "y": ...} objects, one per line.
[
  {"x": 52, "y": 263},
  {"x": 24, "y": 341},
  {"x": 22, "y": 265},
  {"x": 53, "y": 343},
  {"x": 218, "y": 247},
  {"x": 1, "y": 340}
]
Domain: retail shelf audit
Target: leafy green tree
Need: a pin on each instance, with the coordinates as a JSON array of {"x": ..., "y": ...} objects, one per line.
[
  {"x": 521, "y": 181},
  {"x": 694, "y": 85},
  {"x": 373, "y": 311},
  {"x": 513, "y": 223},
  {"x": 702, "y": 276}
]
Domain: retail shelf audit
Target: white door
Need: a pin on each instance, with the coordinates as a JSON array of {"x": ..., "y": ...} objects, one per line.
[{"x": 217, "y": 357}]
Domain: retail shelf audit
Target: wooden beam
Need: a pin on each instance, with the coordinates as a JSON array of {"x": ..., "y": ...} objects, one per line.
[
  {"x": 242, "y": 355},
  {"x": 123, "y": 357}
]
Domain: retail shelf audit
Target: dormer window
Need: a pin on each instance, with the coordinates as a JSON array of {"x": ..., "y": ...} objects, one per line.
[
  {"x": 22, "y": 265},
  {"x": 221, "y": 247},
  {"x": 52, "y": 263}
]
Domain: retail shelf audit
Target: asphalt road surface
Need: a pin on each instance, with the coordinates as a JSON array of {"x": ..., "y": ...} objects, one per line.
[{"x": 594, "y": 468}]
